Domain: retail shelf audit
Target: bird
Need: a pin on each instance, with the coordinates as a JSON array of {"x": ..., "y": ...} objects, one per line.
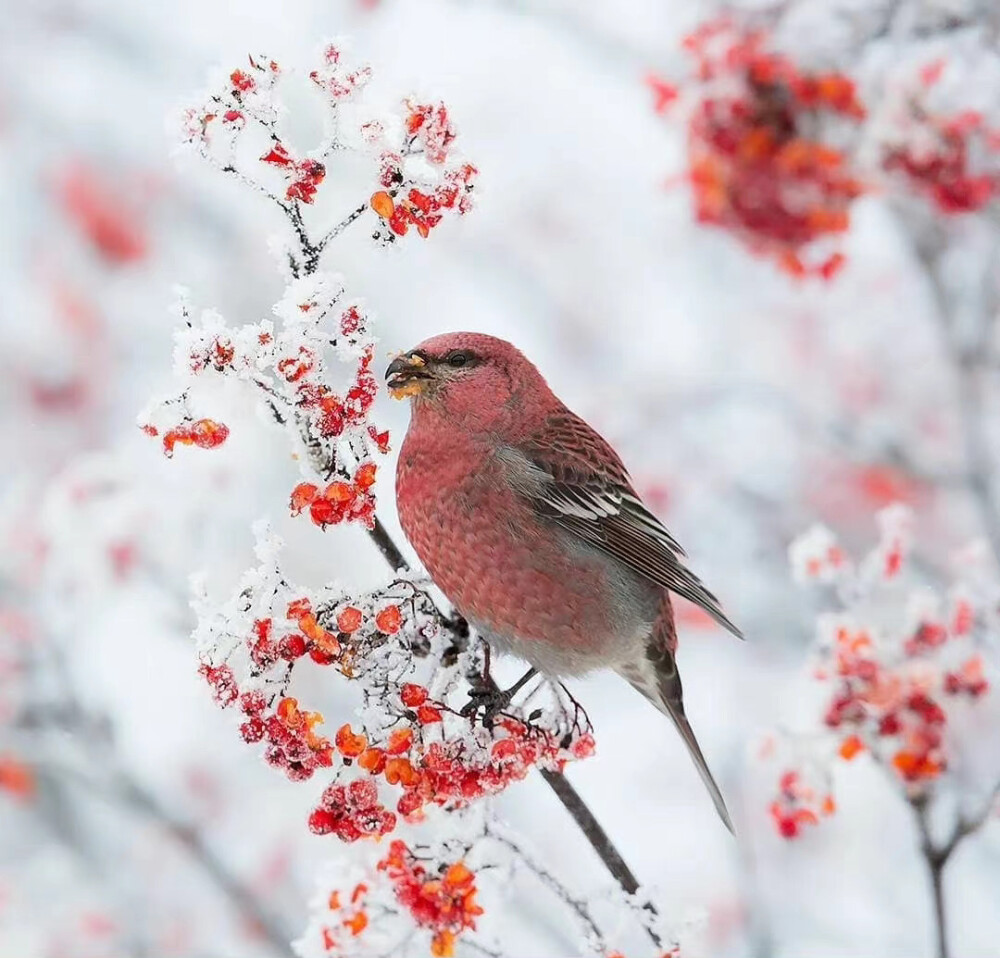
[{"x": 528, "y": 522}]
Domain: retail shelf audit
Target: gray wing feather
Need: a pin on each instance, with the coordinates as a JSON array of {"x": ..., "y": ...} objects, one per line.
[{"x": 608, "y": 514}]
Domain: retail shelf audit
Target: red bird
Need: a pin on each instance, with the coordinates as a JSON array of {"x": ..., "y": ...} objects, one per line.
[{"x": 527, "y": 520}]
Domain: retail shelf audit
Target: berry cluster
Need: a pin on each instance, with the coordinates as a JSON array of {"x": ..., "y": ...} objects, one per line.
[
  {"x": 455, "y": 772},
  {"x": 289, "y": 732},
  {"x": 339, "y": 501},
  {"x": 331, "y": 415},
  {"x": 754, "y": 167},
  {"x": 798, "y": 804},
  {"x": 896, "y": 706},
  {"x": 351, "y": 812},
  {"x": 303, "y": 175},
  {"x": 430, "y": 124},
  {"x": 203, "y": 433},
  {"x": 335, "y": 78},
  {"x": 950, "y": 159},
  {"x": 893, "y": 688},
  {"x": 938, "y": 160},
  {"x": 424, "y": 210},
  {"x": 442, "y": 899}
]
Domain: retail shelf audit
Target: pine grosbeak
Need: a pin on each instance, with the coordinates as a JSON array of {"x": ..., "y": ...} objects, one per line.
[{"x": 526, "y": 519}]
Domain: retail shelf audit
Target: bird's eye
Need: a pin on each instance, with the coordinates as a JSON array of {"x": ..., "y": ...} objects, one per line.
[{"x": 458, "y": 359}]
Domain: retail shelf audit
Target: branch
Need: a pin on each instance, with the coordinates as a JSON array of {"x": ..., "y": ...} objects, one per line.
[
  {"x": 558, "y": 889},
  {"x": 341, "y": 226},
  {"x": 937, "y": 856}
]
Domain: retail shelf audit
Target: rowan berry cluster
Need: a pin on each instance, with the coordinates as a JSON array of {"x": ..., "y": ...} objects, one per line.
[
  {"x": 900, "y": 662},
  {"x": 950, "y": 158},
  {"x": 414, "y": 748},
  {"x": 442, "y": 898},
  {"x": 755, "y": 165}
]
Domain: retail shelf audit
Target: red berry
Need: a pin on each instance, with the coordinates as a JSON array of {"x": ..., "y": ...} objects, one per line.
[
  {"x": 323, "y": 512},
  {"x": 349, "y": 620},
  {"x": 322, "y": 822},
  {"x": 293, "y": 647},
  {"x": 413, "y": 695},
  {"x": 427, "y": 715},
  {"x": 302, "y": 495},
  {"x": 788, "y": 827},
  {"x": 320, "y": 657},
  {"x": 389, "y": 620},
  {"x": 252, "y": 730}
]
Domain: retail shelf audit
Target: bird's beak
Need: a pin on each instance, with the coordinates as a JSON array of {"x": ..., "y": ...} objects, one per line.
[{"x": 407, "y": 375}]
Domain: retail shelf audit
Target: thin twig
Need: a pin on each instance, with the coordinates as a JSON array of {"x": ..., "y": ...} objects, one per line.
[
  {"x": 556, "y": 887},
  {"x": 341, "y": 226},
  {"x": 936, "y": 857}
]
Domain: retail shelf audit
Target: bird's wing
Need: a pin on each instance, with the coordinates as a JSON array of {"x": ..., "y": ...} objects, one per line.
[{"x": 578, "y": 482}]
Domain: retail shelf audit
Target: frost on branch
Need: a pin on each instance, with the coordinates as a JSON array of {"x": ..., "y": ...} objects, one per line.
[
  {"x": 423, "y": 891},
  {"x": 416, "y": 177},
  {"x": 427, "y": 897},
  {"x": 903, "y": 664}
]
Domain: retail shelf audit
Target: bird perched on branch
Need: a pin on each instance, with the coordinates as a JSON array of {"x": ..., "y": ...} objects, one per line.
[{"x": 526, "y": 519}]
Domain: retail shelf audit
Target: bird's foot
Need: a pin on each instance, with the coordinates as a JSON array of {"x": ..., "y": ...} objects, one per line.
[{"x": 490, "y": 699}]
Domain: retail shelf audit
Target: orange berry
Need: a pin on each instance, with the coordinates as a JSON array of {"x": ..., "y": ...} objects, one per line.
[
  {"x": 399, "y": 771},
  {"x": 349, "y": 619},
  {"x": 372, "y": 760},
  {"x": 322, "y": 639},
  {"x": 850, "y": 747},
  {"x": 443, "y": 944},
  {"x": 364, "y": 478},
  {"x": 299, "y": 608},
  {"x": 327, "y": 643},
  {"x": 351, "y": 745},
  {"x": 389, "y": 620},
  {"x": 382, "y": 203},
  {"x": 302, "y": 495},
  {"x": 458, "y": 875},
  {"x": 357, "y": 924},
  {"x": 288, "y": 712},
  {"x": 338, "y": 492},
  {"x": 399, "y": 741}
]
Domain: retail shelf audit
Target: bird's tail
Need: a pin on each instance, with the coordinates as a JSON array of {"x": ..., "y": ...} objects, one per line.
[{"x": 658, "y": 679}]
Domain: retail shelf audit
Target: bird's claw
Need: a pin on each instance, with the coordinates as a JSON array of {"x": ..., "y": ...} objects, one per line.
[{"x": 492, "y": 701}]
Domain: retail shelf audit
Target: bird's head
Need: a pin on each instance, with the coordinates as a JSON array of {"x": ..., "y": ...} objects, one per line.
[{"x": 464, "y": 375}]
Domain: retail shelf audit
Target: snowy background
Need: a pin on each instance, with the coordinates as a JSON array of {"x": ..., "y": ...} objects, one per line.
[{"x": 747, "y": 405}]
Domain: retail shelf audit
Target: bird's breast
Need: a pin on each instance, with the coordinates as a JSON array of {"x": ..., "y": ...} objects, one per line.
[{"x": 499, "y": 563}]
